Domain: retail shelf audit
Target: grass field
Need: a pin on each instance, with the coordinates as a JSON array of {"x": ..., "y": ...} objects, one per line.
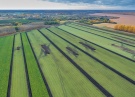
[
  {"x": 19, "y": 84},
  {"x": 98, "y": 40},
  {"x": 38, "y": 87},
  {"x": 61, "y": 71},
  {"x": 65, "y": 67},
  {"x": 120, "y": 63},
  {"x": 5, "y": 59},
  {"x": 103, "y": 31},
  {"x": 96, "y": 70},
  {"x": 105, "y": 34}
]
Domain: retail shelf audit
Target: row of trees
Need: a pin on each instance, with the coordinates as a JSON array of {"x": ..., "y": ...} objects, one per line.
[
  {"x": 126, "y": 28},
  {"x": 52, "y": 22},
  {"x": 96, "y": 21}
]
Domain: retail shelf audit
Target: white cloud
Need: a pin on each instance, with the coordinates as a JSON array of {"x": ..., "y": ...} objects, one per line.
[{"x": 39, "y": 4}]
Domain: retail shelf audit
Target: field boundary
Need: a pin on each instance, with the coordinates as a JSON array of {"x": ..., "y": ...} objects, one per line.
[
  {"x": 103, "y": 90},
  {"x": 100, "y": 36},
  {"x": 102, "y": 63},
  {"x": 10, "y": 72},
  {"x": 98, "y": 45},
  {"x": 26, "y": 69},
  {"x": 41, "y": 72}
]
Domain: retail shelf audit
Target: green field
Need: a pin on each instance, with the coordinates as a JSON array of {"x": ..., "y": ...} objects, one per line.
[
  {"x": 52, "y": 62},
  {"x": 19, "y": 83},
  {"x": 37, "y": 85},
  {"x": 100, "y": 32},
  {"x": 115, "y": 61},
  {"x": 5, "y": 59},
  {"x": 98, "y": 40},
  {"x": 61, "y": 71}
]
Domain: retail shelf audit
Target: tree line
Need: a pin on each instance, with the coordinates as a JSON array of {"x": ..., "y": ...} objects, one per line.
[{"x": 126, "y": 28}]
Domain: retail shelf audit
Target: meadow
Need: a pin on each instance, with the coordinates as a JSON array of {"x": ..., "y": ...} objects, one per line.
[{"x": 70, "y": 60}]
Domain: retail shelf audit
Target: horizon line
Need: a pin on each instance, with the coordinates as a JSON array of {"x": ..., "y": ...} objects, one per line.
[{"x": 75, "y": 9}]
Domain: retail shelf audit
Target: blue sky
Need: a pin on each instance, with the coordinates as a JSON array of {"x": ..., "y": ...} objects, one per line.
[{"x": 68, "y": 4}]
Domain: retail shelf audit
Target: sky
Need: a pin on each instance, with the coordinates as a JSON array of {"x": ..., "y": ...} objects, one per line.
[{"x": 69, "y": 4}]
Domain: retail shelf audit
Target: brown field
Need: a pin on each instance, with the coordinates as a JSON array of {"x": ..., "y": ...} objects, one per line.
[{"x": 124, "y": 19}]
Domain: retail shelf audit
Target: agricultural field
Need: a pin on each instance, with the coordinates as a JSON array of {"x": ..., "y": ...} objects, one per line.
[
  {"x": 102, "y": 39},
  {"x": 71, "y": 60}
]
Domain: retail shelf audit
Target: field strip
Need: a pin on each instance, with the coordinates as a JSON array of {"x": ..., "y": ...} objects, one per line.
[
  {"x": 109, "y": 30},
  {"x": 61, "y": 81},
  {"x": 98, "y": 45},
  {"x": 6, "y": 45},
  {"x": 116, "y": 85},
  {"x": 10, "y": 73},
  {"x": 117, "y": 62},
  {"x": 3, "y": 40},
  {"x": 45, "y": 81},
  {"x": 100, "y": 36},
  {"x": 26, "y": 68},
  {"x": 103, "y": 31},
  {"x": 43, "y": 77},
  {"x": 63, "y": 78},
  {"x": 115, "y": 37},
  {"x": 121, "y": 48},
  {"x": 19, "y": 86},
  {"x": 37, "y": 85},
  {"x": 80, "y": 69},
  {"x": 102, "y": 63}
]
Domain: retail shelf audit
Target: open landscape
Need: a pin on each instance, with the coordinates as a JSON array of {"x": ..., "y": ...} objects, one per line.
[
  {"x": 67, "y": 48},
  {"x": 67, "y": 61}
]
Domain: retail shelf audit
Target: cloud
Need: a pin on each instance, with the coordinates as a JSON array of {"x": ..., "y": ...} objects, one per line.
[
  {"x": 99, "y": 2},
  {"x": 68, "y": 4}
]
